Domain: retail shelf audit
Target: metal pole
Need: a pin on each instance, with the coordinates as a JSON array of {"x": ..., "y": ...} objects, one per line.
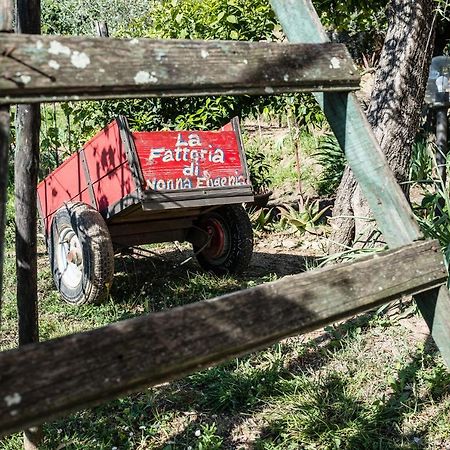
[{"x": 441, "y": 143}]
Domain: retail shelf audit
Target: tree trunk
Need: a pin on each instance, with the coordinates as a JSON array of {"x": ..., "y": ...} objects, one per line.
[{"x": 394, "y": 113}]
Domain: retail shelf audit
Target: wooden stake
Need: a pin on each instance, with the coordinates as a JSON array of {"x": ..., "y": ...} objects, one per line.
[
  {"x": 26, "y": 173},
  {"x": 101, "y": 29},
  {"x": 26, "y": 169},
  {"x": 4, "y": 150},
  {"x": 5, "y": 26}
]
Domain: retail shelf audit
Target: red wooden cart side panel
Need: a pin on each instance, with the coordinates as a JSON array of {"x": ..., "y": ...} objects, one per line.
[
  {"x": 108, "y": 167},
  {"x": 227, "y": 127},
  {"x": 109, "y": 174},
  {"x": 66, "y": 183},
  {"x": 190, "y": 159}
]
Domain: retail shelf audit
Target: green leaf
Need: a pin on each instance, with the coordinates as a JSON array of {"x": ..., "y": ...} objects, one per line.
[
  {"x": 232, "y": 19},
  {"x": 234, "y": 34}
]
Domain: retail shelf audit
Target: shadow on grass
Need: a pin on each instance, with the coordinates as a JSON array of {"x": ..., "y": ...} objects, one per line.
[
  {"x": 327, "y": 415},
  {"x": 209, "y": 407},
  {"x": 170, "y": 278},
  {"x": 216, "y": 402}
]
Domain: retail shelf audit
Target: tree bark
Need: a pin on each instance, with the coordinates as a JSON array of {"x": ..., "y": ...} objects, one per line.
[{"x": 393, "y": 112}]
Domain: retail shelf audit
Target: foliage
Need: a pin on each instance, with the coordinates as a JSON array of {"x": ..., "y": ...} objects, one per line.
[
  {"x": 305, "y": 219},
  {"x": 247, "y": 20},
  {"x": 212, "y": 19},
  {"x": 421, "y": 161},
  {"x": 77, "y": 17},
  {"x": 259, "y": 170},
  {"x": 358, "y": 24},
  {"x": 261, "y": 218},
  {"x": 353, "y": 16},
  {"x": 208, "y": 438},
  {"x": 191, "y": 19},
  {"x": 442, "y": 7},
  {"x": 57, "y": 137},
  {"x": 332, "y": 159},
  {"x": 433, "y": 213}
]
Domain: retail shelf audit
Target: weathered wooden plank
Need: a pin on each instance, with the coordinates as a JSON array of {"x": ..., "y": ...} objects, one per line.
[
  {"x": 41, "y": 381},
  {"x": 393, "y": 215},
  {"x": 50, "y": 68},
  {"x": 349, "y": 123}
]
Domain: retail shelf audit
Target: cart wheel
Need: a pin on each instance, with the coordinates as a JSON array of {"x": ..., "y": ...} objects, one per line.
[
  {"x": 230, "y": 244},
  {"x": 81, "y": 254}
]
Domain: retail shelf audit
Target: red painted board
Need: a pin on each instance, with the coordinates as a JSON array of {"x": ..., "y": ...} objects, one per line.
[
  {"x": 108, "y": 167},
  {"x": 104, "y": 153},
  {"x": 190, "y": 159},
  {"x": 114, "y": 186},
  {"x": 109, "y": 174},
  {"x": 66, "y": 183},
  {"x": 227, "y": 127}
]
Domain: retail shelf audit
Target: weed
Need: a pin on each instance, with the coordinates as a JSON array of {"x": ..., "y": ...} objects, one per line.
[
  {"x": 331, "y": 157},
  {"x": 433, "y": 214},
  {"x": 262, "y": 218},
  {"x": 305, "y": 219},
  {"x": 259, "y": 169},
  {"x": 208, "y": 439},
  {"x": 421, "y": 162}
]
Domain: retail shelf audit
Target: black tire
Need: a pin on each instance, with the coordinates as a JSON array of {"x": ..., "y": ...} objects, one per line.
[
  {"x": 230, "y": 246},
  {"x": 81, "y": 254}
]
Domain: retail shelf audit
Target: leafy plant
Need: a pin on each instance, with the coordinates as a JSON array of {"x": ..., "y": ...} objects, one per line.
[
  {"x": 305, "y": 219},
  {"x": 332, "y": 159},
  {"x": 421, "y": 161},
  {"x": 250, "y": 20},
  {"x": 208, "y": 438},
  {"x": 259, "y": 170},
  {"x": 433, "y": 213},
  {"x": 261, "y": 218},
  {"x": 433, "y": 216},
  {"x": 76, "y": 17}
]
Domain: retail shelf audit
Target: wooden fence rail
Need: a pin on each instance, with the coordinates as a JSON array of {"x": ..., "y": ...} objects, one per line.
[
  {"x": 58, "y": 68},
  {"x": 41, "y": 381}
]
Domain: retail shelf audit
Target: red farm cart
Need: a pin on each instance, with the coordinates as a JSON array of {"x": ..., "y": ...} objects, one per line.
[{"x": 130, "y": 188}]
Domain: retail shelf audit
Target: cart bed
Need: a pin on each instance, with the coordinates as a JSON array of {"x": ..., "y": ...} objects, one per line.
[{"x": 133, "y": 177}]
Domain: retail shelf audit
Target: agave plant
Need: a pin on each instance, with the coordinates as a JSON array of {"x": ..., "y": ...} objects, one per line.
[{"x": 305, "y": 219}]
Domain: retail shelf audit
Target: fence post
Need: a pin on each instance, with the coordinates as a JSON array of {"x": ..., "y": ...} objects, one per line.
[
  {"x": 6, "y": 10},
  {"x": 26, "y": 167},
  {"x": 101, "y": 29}
]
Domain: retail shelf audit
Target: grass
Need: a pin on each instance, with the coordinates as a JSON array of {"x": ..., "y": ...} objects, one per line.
[
  {"x": 373, "y": 382},
  {"x": 281, "y": 157},
  {"x": 366, "y": 383}
]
